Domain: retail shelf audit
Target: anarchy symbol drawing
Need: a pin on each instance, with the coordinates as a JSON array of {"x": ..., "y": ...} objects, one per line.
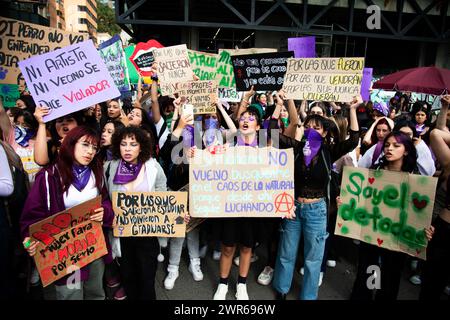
[{"x": 284, "y": 203}]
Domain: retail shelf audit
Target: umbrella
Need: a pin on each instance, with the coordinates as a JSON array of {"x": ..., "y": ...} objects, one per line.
[{"x": 429, "y": 80}]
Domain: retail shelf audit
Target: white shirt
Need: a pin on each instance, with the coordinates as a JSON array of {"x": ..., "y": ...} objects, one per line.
[{"x": 74, "y": 197}]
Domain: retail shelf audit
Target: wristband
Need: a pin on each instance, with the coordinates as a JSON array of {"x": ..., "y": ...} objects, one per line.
[{"x": 27, "y": 244}]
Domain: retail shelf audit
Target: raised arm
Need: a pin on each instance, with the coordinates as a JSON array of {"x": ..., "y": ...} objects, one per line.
[
  {"x": 40, "y": 146},
  {"x": 293, "y": 119},
  {"x": 302, "y": 110},
  {"x": 139, "y": 88},
  {"x": 156, "y": 112},
  {"x": 244, "y": 103},
  {"x": 232, "y": 130},
  {"x": 441, "y": 122}
]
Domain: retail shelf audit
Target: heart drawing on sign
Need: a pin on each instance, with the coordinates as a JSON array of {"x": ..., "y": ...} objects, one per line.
[
  {"x": 380, "y": 241},
  {"x": 371, "y": 180},
  {"x": 419, "y": 202},
  {"x": 339, "y": 224},
  {"x": 418, "y": 251}
]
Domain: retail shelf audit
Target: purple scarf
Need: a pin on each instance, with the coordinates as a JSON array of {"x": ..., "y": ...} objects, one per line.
[
  {"x": 377, "y": 151},
  {"x": 420, "y": 128},
  {"x": 126, "y": 172},
  {"x": 312, "y": 145},
  {"x": 81, "y": 175},
  {"x": 241, "y": 142}
]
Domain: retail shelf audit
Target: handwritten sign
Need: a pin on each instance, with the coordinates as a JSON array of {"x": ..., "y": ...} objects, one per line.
[
  {"x": 264, "y": 71},
  {"x": 115, "y": 60},
  {"x": 387, "y": 209},
  {"x": 365, "y": 83},
  {"x": 204, "y": 65},
  {"x": 173, "y": 67},
  {"x": 303, "y": 47},
  {"x": 68, "y": 79},
  {"x": 67, "y": 241},
  {"x": 201, "y": 94},
  {"x": 326, "y": 79},
  {"x": 21, "y": 40},
  {"x": 9, "y": 93},
  {"x": 150, "y": 214},
  {"x": 241, "y": 182},
  {"x": 143, "y": 57},
  {"x": 230, "y": 94}
]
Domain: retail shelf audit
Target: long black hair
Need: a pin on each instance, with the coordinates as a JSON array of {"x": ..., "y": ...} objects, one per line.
[{"x": 410, "y": 158}]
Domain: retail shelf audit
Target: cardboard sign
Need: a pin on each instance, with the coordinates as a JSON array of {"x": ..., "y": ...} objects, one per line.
[
  {"x": 115, "y": 60},
  {"x": 143, "y": 57},
  {"x": 150, "y": 214},
  {"x": 366, "y": 83},
  {"x": 387, "y": 209},
  {"x": 303, "y": 47},
  {"x": 21, "y": 40},
  {"x": 241, "y": 182},
  {"x": 230, "y": 94},
  {"x": 67, "y": 241},
  {"x": 9, "y": 93},
  {"x": 173, "y": 67},
  {"x": 201, "y": 94},
  {"x": 325, "y": 79},
  {"x": 204, "y": 65},
  {"x": 68, "y": 79},
  {"x": 264, "y": 71}
]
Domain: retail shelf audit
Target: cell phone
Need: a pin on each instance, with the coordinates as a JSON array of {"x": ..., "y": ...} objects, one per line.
[{"x": 186, "y": 110}]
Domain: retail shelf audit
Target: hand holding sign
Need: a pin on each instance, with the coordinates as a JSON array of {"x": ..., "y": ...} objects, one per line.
[
  {"x": 40, "y": 113},
  {"x": 98, "y": 214},
  {"x": 30, "y": 246}
]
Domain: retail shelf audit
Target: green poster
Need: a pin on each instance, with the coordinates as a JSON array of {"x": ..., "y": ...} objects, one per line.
[
  {"x": 132, "y": 73},
  {"x": 9, "y": 93},
  {"x": 204, "y": 65}
]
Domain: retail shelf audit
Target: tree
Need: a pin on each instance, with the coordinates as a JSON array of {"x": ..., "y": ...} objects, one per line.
[{"x": 106, "y": 19}]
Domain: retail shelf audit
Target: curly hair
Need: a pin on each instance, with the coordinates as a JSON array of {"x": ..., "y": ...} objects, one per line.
[{"x": 141, "y": 137}]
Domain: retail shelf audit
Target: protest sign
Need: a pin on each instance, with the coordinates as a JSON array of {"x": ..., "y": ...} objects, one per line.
[
  {"x": 201, "y": 94},
  {"x": 150, "y": 214},
  {"x": 115, "y": 60},
  {"x": 67, "y": 241},
  {"x": 241, "y": 182},
  {"x": 230, "y": 94},
  {"x": 303, "y": 47},
  {"x": 326, "y": 79},
  {"x": 9, "y": 93},
  {"x": 264, "y": 71},
  {"x": 173, "y": 67},
  {"x": 204, "y": 65},
  {"x": 21, "y": 40},
  {"x": 68, "y": 79},
  {"x": 387, "y": 209},
  {"x": 366, "y": 83},
  {"x": 143, "y": 58}
]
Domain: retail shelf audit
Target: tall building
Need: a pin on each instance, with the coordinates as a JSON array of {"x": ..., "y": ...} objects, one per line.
[
  {"x": 81, "y": 16},
  {"x": 56, "y": 14}
]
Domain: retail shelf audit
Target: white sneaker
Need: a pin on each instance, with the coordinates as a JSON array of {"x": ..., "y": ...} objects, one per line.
[
  {"x": 320, "y": 279},
  {"x": 331, "y": 263},
  {"x": 415, "y": 280},
  {"x": 169, "y": 281},
  {"x": 216, "y": 255},
  {"x": 241, "y": 292},
  {"x": 252, "y": 259},
  {"x": 221, "y": 292},
  {"x": 265, "y": 277},
  {"x": 194, "y": 268},
  {"x": 302, "y": 271}
]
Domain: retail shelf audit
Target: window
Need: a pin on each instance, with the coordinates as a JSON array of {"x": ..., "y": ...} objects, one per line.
[{"x": 82, "y": 21}]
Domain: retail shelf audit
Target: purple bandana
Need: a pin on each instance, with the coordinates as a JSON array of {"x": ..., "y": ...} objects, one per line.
[
  {"x": 312, "y": 145},
  {"x": 81, "y": 175},
  {"x": 420, "y": 128},
  {"x": 377, "y": 151},
  {"x": 109, "y": 155},
  {"x": 241, "y": 142},
  {"x": 126, "y": 172}
]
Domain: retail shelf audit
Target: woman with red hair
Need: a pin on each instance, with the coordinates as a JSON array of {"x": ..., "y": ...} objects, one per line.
[{"x": 76, "y": 177}]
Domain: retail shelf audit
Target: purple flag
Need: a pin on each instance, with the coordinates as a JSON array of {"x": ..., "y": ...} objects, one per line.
[
  {"x": 303, "y": 47},
  {"x": 365, "y": 83},
  {"x": 68, "y": 79}
]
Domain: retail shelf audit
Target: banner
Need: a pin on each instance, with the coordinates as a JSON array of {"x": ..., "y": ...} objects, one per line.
[
  {"x": 201, "y": 94},
  {"x": 9, "y": 93},
  {"x": 150, "y": 214},
  {"x": 241, "y": 182},
  {"x": 263, "y": 71},
  {"x": 230, "y": 94},
  {"x": 21, "y": 40},
  {"x": 173, "y": 67},
  {"x": 366, "y": 83},
  {"x": 68, "y": 79},
  {"x": 387, "y": 209},
  {"x": 67, "y": 241},
  {"x": 303, "y": 47},
  {"x": 204, "y": 65},
  {"x": 142, "y": 57},
  {"x": 326, "y": 79},
  {"x": 115, "y": 60}
]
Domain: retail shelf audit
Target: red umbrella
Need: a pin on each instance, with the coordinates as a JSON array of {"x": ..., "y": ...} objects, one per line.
[{"x": 429, "y": 80}]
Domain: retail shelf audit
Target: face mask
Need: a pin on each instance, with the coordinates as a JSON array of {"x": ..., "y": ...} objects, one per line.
[
  {"x": 312, "y": 145},
  {"x": 211, "y": 123},
  {"x": 169, "y": 119},
  {"x": 285, "y": 122},
  {"x": 23, "y": 135}
]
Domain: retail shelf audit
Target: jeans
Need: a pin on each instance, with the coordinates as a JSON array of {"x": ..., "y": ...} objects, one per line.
[
  {"x": 311, "y": 219},
  {"x": 91, "y": 289},
  {"x": 176, "y": 246}
]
